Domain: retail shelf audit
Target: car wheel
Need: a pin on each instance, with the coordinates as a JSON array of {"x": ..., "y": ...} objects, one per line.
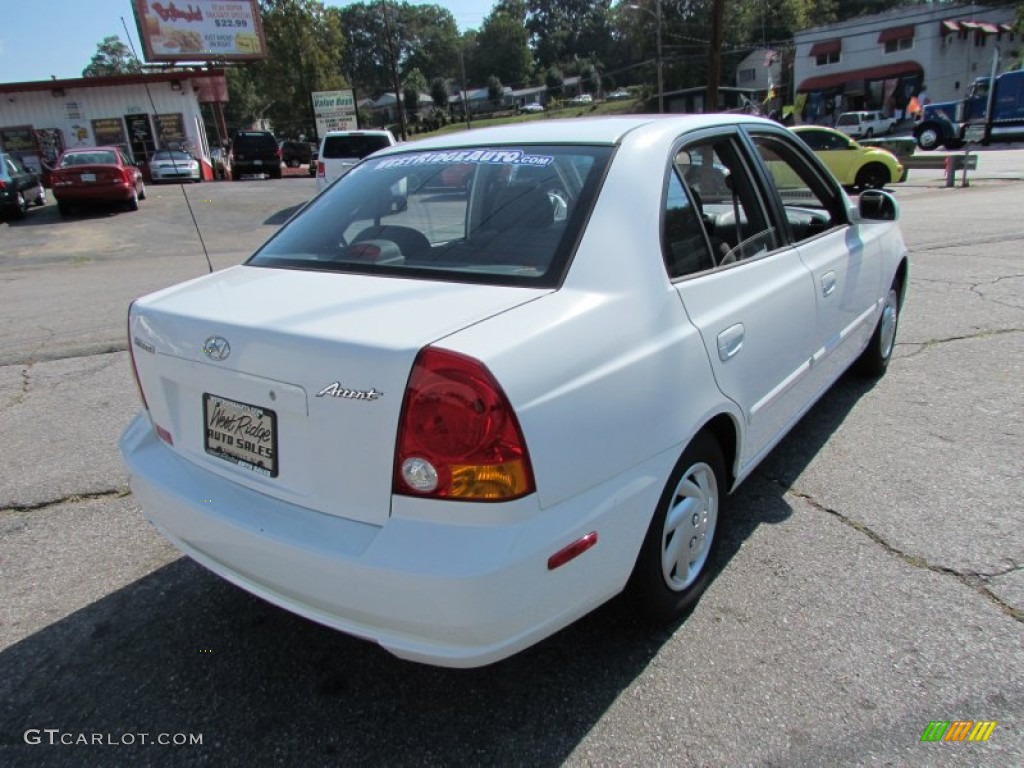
[
  {"x": 872, "y": 176},
  {"x": 133, "y": 203},
  {"x": 869, "y": 133},
  {"x": 671, "y": 570},
  {"x": 41, "y": 195},
  {"x": 928, "y": 137},
  {"x": 20, "y": 206},
  {"x": 874, "y": 360},
  {"x": 64, "y": 209},
  {"x": 142, "y": 191}
]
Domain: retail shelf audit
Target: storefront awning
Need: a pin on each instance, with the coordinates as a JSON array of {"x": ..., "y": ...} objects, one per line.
[
  {"x": 949, "y": 27},
  {"x": 896, "y": 33},
  {"x": 826, "y": 82},
  {"x": 825, "y": 47}
]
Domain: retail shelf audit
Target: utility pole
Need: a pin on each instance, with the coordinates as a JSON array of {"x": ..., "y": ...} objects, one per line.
[
  {"x": 714, "y": 56},
  {"x": 394, "y": 69},
  {"x": 465, "y": 100},
  {"x": 661, "y": 63}
]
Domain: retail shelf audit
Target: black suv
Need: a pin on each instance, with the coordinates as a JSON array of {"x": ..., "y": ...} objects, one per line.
[
  {"x": 296, "y": 153},
  {"x": 255, "y": 152}
]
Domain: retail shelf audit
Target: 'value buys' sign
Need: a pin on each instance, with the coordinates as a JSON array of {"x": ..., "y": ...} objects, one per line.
[{"x": 334, "y": 111}]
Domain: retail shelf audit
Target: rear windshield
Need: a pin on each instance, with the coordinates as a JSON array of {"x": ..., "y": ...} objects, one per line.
[
  {"x": 338, "y": 147},
  {"x": 848, "y": 119},
  {"x": 497, "y": 215},
  {"x": 255, "y": 141},
  {"x": 88, "y": 158}
]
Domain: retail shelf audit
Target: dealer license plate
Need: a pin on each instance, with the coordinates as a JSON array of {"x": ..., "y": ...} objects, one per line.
[{"x": 243, "y": 434}]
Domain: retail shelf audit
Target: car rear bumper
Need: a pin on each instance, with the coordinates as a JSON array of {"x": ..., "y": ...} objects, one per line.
[
  {"x": 106, "y": 193},
  {"x": 451, "y": 594}
]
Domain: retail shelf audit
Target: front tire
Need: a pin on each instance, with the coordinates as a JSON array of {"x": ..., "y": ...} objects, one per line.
[
  {"x": 40, "y": 196},
  {"x": 872, "y": 176},
  {"x": 874, "y": 360},
  {"x": 133, "y": 203},
  {"x": 671, "y": 571},
  {"x": 928, "y": 137},
  {"x": 20, "y": 206}
]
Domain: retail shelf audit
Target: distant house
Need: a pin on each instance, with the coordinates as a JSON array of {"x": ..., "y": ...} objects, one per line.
[
  {"x": 760, "y": 71},
  {"x": 479, "y": 100},
  {"x": 386, "y": 110}
]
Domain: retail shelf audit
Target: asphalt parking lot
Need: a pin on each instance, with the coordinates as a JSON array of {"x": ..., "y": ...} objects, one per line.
[{"x": 871, "y": 582}]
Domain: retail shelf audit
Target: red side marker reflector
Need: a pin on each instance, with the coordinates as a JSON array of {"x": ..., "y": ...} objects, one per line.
[
  {"x": 577, "y": 548},
  {"x": 164, "y": 435}
]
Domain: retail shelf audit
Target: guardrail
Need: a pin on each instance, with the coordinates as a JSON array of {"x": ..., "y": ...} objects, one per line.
[{"x": 950, "y": 162}]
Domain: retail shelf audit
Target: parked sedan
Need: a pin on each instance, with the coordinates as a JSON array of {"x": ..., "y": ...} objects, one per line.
[
  {"x": 95, "y": 176},
  {"x": 19, "y": 188},
  {"x": 174, "y": 165},
  {"x": 454, "y": 429},
  {"x": 857, "y": 167}
]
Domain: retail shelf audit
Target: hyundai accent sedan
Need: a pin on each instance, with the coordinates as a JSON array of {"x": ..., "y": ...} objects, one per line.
[{"x": 456, "y": 428}]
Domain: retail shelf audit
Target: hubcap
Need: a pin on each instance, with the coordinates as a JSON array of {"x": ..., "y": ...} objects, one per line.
[
  {"x": 689, "y": 527},
  {"x": 928, "y": 138},
  {"x": 887, "y": 329}
]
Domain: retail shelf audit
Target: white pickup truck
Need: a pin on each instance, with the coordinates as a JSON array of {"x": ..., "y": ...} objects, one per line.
[{"x": 864, "y": 125}]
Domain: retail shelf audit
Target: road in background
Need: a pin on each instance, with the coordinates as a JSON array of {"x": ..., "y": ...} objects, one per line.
[{"x": 871, "y": 579}]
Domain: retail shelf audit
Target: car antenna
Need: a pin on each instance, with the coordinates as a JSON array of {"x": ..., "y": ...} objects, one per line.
[{"x": 152, "y": 104}]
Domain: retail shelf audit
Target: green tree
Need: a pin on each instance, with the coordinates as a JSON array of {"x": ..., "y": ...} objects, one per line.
[
  {"x": 415, "y": 84},
  {"x": 554, "y": 80},
  {"x": 304, "y": 43},
  {"x": 495, "y": 90},
  {"x": 112, "y": 57},
  {"x": 562, "y": 31},
  {"x": 439, "y": 93},
  {"x": 502, "y": 50}
]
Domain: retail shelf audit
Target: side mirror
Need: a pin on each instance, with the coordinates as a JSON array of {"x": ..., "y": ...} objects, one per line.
[{"x": 878, "y": 205}]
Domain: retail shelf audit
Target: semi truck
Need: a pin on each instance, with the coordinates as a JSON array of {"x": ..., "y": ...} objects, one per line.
[{"x": 994, "y": 114}]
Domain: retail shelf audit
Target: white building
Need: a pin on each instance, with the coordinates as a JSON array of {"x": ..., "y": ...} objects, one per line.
[
  {"x": 139, "y": 113},
  {"x": 880, "y": 61}
]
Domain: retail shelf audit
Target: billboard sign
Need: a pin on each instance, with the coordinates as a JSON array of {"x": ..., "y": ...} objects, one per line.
[
  {"x": 200, "y": 30},
  {"x": 334, "y": 111}
]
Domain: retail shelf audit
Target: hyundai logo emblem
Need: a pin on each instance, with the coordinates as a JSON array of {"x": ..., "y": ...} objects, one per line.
[{"x": 217, "y": 348}]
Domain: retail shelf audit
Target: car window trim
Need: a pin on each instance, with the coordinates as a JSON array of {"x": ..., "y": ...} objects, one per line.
[
  {"x": 751, "y": 164},
  {"x": 822, "y": 177}
]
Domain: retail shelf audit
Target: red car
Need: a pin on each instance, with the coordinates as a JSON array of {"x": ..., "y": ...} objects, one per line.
[{"x": 96, "y": 175}]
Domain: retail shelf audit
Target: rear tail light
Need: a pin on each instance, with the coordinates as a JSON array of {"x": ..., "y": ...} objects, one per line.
[
  {"x": 320, "y": 170},
  {"x": 458, "y": 437}
]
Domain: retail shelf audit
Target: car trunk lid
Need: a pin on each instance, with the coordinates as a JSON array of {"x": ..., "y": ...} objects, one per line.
[{"x": 291, "y": 382}]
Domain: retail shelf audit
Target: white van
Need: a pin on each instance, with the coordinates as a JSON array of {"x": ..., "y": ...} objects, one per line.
[{"x": 341, "y": 150}]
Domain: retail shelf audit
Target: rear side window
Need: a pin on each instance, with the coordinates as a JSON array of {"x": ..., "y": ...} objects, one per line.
[
  {"x": 338, "y": 147},
  {"x": 496, "y": 215},
  {"x": 848, "y": 119}
]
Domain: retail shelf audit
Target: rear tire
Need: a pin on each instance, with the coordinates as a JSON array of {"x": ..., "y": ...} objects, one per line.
[
  {"x": 41, "y": 196},
  {"x": 133, "y": 203},
  {"x": 20, "y": 206},
  {"x": 64, "y": 209},
  {"x": 874, "y": 360},
  {"x": 671, "y": 571},
  {"x": 928, "y": 137}
]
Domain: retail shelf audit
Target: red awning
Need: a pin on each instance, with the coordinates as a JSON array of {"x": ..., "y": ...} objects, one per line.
[
  {"x": 896, "y": 33},
  {"x": 949, "y": 27},
  {"x": 969, "y": 25},
  {"x": 989, "y": 29},
  {"x": 824, "y": 82},
  {"x": 1006, "y": 28},
  {"x": 826, "y": 47}
]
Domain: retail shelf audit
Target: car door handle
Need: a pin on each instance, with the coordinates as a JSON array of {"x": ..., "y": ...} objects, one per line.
[
  {"x": 730, "y": 341},
  {"x": 828, "y": 283}
]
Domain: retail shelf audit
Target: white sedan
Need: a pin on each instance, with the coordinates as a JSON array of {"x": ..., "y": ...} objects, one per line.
[
  {"x": 174, "y": 165},
  {"x": 455, "y": 428}
]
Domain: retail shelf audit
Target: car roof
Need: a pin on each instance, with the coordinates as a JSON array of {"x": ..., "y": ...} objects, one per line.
[{"x": 580, "y": 131}]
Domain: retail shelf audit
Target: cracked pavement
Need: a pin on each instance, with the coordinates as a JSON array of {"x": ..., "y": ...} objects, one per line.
[{"x": 871, "y": 577}]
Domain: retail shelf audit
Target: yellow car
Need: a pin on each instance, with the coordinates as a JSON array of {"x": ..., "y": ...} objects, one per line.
[{"x": 854, "y": 166}]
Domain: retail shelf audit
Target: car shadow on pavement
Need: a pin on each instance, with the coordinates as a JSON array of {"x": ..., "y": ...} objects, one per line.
[{"x": 184, "y": 652}]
